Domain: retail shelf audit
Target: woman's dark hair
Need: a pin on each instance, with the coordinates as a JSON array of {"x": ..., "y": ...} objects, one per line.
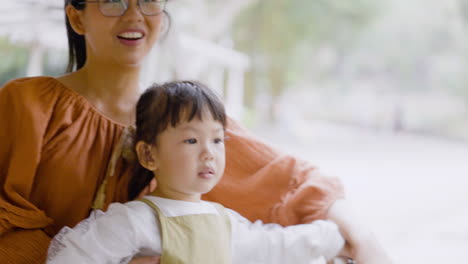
[
  {"x": 77, "y": 43},
  {"x": 161, "y": 106}
]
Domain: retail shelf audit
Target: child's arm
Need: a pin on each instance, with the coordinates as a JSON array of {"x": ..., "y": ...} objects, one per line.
[
  {"x": 111, "y": 237},
  {"x": 272, "y": 243}
]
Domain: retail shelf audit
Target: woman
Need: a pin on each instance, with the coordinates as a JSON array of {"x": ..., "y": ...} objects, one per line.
[{"x": 62, "y": 148}]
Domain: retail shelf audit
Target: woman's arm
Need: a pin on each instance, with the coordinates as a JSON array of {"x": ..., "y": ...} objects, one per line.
[
  {"x": 263, "y": 183},
  {"x": 363, "y": 245},
  {"x": 145, "y": 260},
  {"x": 22, "y": 126},
  {"x": 23, "y": 246}
]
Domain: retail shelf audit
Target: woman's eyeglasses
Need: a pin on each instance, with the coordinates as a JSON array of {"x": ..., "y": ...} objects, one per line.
[{"x": 115, "y": 8}]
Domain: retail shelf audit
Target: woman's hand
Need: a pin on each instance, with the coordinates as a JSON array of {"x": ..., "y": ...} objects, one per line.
[
  {"x": 145, "y": 260},
  {"x": 361, "y": 244},
  {"x": 346, "y": 251},
  {"x": 370, "y": 252}
]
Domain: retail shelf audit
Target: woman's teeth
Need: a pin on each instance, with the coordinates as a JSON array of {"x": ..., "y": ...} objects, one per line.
[{"x": 131, "y": 35}]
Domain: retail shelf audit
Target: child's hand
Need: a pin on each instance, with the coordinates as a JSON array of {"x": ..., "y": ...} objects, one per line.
[{"x": 145, "y": 260}]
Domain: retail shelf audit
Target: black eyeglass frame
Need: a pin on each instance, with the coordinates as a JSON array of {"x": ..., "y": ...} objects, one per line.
[{"x": 164, "y": 2}]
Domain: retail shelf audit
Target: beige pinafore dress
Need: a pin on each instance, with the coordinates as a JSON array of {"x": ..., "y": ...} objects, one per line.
[{"x": 195, "y": 239}]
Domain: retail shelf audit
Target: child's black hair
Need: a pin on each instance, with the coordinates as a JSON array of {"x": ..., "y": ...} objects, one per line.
[{"x": 161, "y": 106}]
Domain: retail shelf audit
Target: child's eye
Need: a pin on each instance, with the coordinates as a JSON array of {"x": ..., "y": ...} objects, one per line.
[
  {"x": 218, "y": 140},
  {"x": 190, "y": 141}
]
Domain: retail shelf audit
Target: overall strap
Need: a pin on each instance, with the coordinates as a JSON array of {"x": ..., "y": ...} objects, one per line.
[
  {"x": 223, "y": 213},
  {"x": 152, "y": 205}
]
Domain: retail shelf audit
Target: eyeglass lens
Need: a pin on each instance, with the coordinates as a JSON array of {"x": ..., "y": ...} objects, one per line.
[{"x": 118, "y": 7}]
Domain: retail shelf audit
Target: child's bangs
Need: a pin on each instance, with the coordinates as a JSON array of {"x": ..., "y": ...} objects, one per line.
[{"x": 191, "y": 101}]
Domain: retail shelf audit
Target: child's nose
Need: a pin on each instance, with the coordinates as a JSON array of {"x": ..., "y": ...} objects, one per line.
[{"x": 207, "y": 153}]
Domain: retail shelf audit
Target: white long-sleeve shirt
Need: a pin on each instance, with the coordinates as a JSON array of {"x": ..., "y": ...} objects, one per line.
[{"x": 132, "y": 229}]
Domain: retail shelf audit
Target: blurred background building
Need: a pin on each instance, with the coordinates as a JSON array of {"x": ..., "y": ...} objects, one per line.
[{"x": 374, "y": 92}]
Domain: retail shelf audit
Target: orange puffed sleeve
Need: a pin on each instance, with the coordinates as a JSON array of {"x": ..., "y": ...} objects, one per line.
[
  {"x": 262, "y": 183},
  {"x": 22, "y": 127}
]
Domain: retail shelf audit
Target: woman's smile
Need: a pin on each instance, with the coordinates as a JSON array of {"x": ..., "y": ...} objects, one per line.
[{"x": 131, "y": 37}]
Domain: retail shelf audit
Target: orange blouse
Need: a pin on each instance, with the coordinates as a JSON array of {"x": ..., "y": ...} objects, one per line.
[{"x": 55, "y": 151}]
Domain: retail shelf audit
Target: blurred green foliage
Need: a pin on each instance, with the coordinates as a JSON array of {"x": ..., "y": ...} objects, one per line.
[
  {"x": 13, "y": 61},
  {"x": 274, "y": 33}
]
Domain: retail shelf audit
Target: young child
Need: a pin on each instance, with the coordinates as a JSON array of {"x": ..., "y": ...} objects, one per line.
[{"x": 180, "y": 142}]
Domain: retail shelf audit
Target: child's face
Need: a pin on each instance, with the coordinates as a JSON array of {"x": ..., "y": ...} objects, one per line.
[{"x": 190, "y": 158}]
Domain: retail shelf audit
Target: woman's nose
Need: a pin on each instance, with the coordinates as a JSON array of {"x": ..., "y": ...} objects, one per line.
[{"x": 133, "y": 11}]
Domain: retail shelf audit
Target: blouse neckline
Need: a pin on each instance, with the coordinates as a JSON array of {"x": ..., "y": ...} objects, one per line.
[{"x": 85, "y": 101}]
